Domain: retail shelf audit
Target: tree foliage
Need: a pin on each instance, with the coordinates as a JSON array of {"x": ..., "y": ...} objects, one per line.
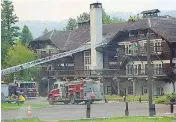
[
  {"x": 9, "y": 32},
  {"x": 82, "y": 17},
  {"x": 45, "y": 31},
  {"x": 72, "y": 23},
  {"x": 19, "y": 54},
  {"x": 106, "y": 19},
  {"x": 26, "y": 35}
]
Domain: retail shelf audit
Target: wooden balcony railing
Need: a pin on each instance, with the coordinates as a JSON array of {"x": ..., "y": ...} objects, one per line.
[{"x": 104, "y": 72}]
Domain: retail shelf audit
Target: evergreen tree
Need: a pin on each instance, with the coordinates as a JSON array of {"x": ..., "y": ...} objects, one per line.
[
  {"x": 82, "y": 17},
  {"x": 9, "y": 32},
  {"x": 71, "y": 24},
  {"x": 26, "y": 35},
  {"x": 45, "y": 31}
]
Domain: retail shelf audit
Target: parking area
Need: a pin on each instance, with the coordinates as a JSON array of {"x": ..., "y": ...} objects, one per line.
[{"x": 61, "y": 111}]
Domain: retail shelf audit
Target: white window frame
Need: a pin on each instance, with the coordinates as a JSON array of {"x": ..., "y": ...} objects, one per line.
[
  {"x": 159, "y": 91},
  {"x": 128, "y": 51},
  {"x": 158, "y": 69},
  {"x": 87, "y": 61},
  {"x": 157, "y": 45},
  {"x": 143, "y": 69},
  {"x": 129, "y": 71},
  {"x": 135, "y": 69},
  {"x": 144, "y": 90}
]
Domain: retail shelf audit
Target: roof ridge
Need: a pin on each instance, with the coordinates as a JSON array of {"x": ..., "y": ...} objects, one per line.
[{"x": 51, "y": 34}]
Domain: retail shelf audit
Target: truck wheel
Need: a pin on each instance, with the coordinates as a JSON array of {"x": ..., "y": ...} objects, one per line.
[
  {"x": 50, "y": 101},
  {"x": 66, "y": 102},
  {"x": 72, "y": 101}
]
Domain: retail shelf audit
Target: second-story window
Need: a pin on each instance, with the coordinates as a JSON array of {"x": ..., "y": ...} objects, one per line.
[
  {"x": 129, "y": 69},
  {"x": 131, "y": 49},
  {"x": 87, "y": 60},
  {"x": 157, "y": 69},
  {"x": 157, "y": 46}
]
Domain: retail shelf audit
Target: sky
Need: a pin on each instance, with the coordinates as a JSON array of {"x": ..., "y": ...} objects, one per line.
[{"x": 59, "y": 10}]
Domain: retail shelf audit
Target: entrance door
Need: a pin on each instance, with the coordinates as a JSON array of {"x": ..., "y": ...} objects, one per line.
[{"x": 144, "y": 90}]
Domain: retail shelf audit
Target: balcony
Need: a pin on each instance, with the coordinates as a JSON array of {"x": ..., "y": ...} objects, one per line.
[{"x": 104, "y": 73}]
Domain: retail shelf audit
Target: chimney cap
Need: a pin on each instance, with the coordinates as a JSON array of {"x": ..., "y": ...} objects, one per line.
[
  {"x": 150, "y": 11},
  {"x": 96, "y": 5}
]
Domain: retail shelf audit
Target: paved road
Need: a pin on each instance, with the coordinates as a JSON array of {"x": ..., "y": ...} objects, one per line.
[{"x": 61, "y": 111}]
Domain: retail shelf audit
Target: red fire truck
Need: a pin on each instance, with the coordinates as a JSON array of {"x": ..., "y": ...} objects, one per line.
[
  {"x": 28, "y": 88},
  {"x": 76, "y": 92}
]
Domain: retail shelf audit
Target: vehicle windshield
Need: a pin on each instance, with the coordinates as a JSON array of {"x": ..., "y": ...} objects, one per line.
[
  {"x": 27, "y": 85},
  {"x": 55, "y": 86}
]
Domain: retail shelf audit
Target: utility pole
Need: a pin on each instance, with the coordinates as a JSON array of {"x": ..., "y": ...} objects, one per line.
[{"x": 149, "y": 71}]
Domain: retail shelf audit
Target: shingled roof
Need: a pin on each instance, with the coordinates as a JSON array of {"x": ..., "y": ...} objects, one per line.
[
  {"x": 58, "y": 38},
  {"x": 163, "y": 26}
]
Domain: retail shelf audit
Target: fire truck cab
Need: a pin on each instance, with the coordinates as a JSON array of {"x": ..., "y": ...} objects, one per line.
[{"x": 76, "y": 92}]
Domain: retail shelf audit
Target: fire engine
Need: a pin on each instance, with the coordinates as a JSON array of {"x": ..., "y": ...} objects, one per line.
[
  {"x": 76, "y": 92},
  {"x": 28, "y": 88}
]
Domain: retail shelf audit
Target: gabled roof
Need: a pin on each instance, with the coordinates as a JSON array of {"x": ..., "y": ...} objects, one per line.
[
  {"x": 163, "y": 26},
  {"x": 58, "y": 38},
  {"x": 81, "y": 35}
]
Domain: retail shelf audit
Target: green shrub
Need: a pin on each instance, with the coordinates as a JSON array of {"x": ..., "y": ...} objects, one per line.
[
  {"x": 162, "y": 100},
  {"x": 171, "y": 96}
]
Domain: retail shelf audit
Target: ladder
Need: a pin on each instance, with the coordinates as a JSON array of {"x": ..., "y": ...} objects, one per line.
[{"x": 47, "y": 59}]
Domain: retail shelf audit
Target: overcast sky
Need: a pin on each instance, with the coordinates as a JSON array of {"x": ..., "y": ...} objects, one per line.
[{"x": 58, "y": 10}]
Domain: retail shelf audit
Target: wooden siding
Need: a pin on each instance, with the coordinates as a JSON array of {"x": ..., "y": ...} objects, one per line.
[{"x": 78, "y": 60}]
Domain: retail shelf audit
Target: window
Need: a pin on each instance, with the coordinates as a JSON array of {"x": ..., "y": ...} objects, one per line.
[
  {"x": 132, "y": 69},
  {"x": 131, "y": 49},
  {"x": 55, "y": 86},
  {"x": 130, "y": 90},
  {"x": 158, "y": 69},
  {"x": 129, "y": 69},
  {"x": 144, "y": 90},
  {"x": 135, "y": 69},
  {"x": 159, "y": 91},
  {"x": 108, "y": 90},
  {"x": 143, "y": 69},
  {"x": 87, "y": 61},
  {"x": 157, "y": 46}
]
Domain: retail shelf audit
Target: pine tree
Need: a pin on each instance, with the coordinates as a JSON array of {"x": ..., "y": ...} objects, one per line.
[
  {"x": 71, "y": 24},
  {"x": 9, "y": 32},
  {"x": 45, "y": 31},
  {"x": 26, "y": 35}
]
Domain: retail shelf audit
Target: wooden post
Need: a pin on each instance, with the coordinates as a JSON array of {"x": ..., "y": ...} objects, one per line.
[
  {"x": 118, "y": 81},
  {"x": 171, "y": 108},
  {"x": 134, "y": 87},
  {"x": 126, "y": 110},
  {"x": 140, "y": 98},
  {"x": 88, "y": 110}
]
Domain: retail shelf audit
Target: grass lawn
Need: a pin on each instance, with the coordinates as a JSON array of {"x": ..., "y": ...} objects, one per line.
[
  {"x": 126, "y": 119},
  {"x": 117, "y": 119},
  {"x": 26, "y": 120},
  {"x": 11, "y": 106},
  {"x": 132, "y": 98}
]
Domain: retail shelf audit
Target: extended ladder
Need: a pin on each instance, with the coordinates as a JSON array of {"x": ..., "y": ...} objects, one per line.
[{"x": 46, "y": 59}]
